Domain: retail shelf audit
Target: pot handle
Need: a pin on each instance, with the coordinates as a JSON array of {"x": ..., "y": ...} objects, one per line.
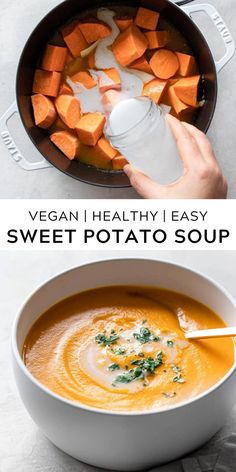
[
  {"x": 12, "y": 147},
  {"x": 215, "y": 17}
]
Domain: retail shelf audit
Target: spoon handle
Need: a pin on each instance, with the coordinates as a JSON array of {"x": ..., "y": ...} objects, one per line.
[{"x": 211, "y": 333}]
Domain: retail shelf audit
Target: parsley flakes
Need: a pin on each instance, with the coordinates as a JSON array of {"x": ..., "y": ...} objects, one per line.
[
  {"x": 104, "y": 340},
  {"x": 145, "y": 336}
]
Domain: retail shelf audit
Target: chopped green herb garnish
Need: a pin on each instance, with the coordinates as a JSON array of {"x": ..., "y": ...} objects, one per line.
[
  {"x": 141, "y": 354},
  {"x": 105, "y": 340},
  {"x": 169, "y": 394},
  {"x": 120, "y": 351},
  {"x": 175, "y": 368},
  {"x": 178, "y": 378},
  {"x": 144, "y": 367},
  {"x": 169, "y": 343},
  {"x": 149, "y": 364},
  {"x": 112, "y": 331},
  {"x": 113, "y": 367},
  {"x": 133, "y": 374},
  {"x": 144, "y": 321},
  {"x": 145, "y": 336}
]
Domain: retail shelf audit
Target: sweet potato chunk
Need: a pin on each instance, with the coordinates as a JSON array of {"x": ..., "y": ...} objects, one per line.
[
  {"x": 74, "y": 39},
  {"x": 106, "y": 148},
  {"x": 74, "y": 66},
  {"x": 141, "y": 64},
  {"x": 46, "y": 83},
  {"x": 59, "y": 125},
  {"x": 68, "y": 109},
  {"x": 54, "y": 58},
  {"x": 91, "y": 60},
  {"x": 155, "y": 89},
  {"x": 187, "y": 64},
  {"x": 44, "y": 111},
  {"x": 181, "y": 110},
  {"x": 118, "y": 162},
  {"x": 129, "y": 45},
  {"x": 92, "y": 156},
  {"x": 186, "y": 90},
  {"x": 85, "y": 79},
  {"x": 123, "y": 22},
  {"x": 164, "y": 63},
  {"x": 156, "y": 39},
  {"x": 146, "y": 18},
  {"x": 94, "y": 29},
  {"x": 109, "y": 80},
  {"x": 67, "y": 142},
  {"x": 69, "y": 58},
  {"x": 65, "y": 89},
  {"x": 90, "y": 128}
]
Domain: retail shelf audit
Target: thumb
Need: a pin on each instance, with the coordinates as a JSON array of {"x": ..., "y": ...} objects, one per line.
[{"x": 145, "y": 186}]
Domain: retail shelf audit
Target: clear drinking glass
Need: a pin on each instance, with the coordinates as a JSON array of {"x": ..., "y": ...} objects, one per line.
[{"x": 140, "y": 132}]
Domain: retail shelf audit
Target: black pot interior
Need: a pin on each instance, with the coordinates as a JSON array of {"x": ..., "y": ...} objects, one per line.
[{"x": 43, "y": 33}]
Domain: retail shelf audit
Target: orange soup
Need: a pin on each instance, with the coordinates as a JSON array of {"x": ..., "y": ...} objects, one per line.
[{"x": 123, "y": 348}]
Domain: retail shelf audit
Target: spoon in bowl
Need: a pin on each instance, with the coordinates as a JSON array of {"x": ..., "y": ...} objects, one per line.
[
  {"x": 203, "y": 333},
  {"x": 211, "y": 333}
]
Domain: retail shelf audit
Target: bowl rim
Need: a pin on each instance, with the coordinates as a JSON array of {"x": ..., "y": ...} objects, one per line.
[{"x": 133, "y": 413}]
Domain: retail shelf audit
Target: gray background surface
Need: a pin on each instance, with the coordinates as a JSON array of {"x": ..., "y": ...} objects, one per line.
[
  {"x": 23, "y": 448},
  {"x": 18, "y": 18}
]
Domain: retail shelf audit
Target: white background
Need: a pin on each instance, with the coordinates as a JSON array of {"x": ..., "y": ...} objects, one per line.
[{"x": 14, "y": 214}]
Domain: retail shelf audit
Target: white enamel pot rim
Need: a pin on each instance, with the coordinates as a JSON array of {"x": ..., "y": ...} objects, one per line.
[{"x": 82, "y": 406}]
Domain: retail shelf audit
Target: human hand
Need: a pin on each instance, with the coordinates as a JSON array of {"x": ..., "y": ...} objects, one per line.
[{"x": 202, "y": 176}]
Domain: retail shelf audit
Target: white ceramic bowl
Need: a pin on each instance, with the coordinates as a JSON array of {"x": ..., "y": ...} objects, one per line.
[{"x": 124, "y": 441}]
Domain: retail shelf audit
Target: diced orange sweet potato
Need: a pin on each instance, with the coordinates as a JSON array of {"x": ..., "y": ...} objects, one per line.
[
  {"x": 156, "y": 39},
  {"x": 46, "y": 83},
  {"x": 118, "y": 162},
  {"x": 92, "y": 156},
  {"x": 67, "y": 142},
  {"x": 69, "y": 58},
  {"x": 165, "y": 96},
  {"x": 109, "y": 80},
  {"x": 180, "y": 109},
  {"x": 106, "y": 148},
  {"x": 44, "y": 111},
  {"x": 141, "y": 64},
  {"x": 155, "y": 89},
  {"x": 68, "y": 108},
  {"x": 129, "y": 45},
  {"x": 91, "y": 60},
  {"x": 74, "y": 39},
  {"x": 123, "y": 22},
  {"x": 85, "y": 79},
  {"x": 54, "y": 58},
  {"x": 146, "y": 18},
  {"x": 90, "y": 128},
  {"x": 74, "y": 66},
  {"x": 59, "y": 125},
  {"x": 186, "y": 90},
  {"x": 164, "y": 63},
  {"x": 187, "y": 64},
  {"x": 65, "y": 89},
  {"x": 93, "y": 29}
]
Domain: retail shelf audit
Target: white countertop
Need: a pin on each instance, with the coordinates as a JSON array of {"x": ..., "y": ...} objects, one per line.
[
  {"x": 23, "y": 448},
  {"x": 18, "y": 18}
]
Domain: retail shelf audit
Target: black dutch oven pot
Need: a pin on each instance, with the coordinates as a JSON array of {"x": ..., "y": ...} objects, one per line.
[{"x": 179, "y": 17}]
